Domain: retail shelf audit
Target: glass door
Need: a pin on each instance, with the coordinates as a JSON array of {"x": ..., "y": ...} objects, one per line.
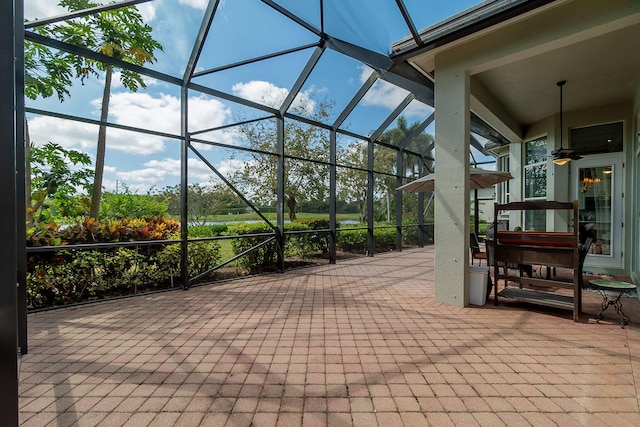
[{"x": 598, "y": 189}]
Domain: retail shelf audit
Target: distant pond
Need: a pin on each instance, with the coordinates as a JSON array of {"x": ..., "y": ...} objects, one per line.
[{"x": 257, "y": 221}]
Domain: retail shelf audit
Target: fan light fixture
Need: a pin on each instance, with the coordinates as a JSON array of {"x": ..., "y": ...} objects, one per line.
[{"x": 562, "y": 156}]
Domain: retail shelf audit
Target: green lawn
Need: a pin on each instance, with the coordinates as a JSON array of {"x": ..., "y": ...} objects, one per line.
[{"x": 225, "y": 249}]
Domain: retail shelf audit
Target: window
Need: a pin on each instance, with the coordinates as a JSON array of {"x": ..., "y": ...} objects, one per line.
[
  {"x": 504, "y": 187},
  {"x": 595, "y": 185},
  {"x": 607, "y": 138},
  {"x": 535, "y": 181}
]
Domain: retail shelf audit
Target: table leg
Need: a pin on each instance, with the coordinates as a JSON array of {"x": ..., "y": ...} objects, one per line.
[
  {"x": 606, "y": 302},
  {"x": 624, "y": 319}
]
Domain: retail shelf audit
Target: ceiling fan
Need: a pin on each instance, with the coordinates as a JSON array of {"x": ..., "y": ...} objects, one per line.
[{"x": 562, "y": 156}]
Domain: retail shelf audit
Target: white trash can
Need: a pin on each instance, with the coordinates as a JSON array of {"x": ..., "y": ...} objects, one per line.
[{"x": 478, "y": 279}]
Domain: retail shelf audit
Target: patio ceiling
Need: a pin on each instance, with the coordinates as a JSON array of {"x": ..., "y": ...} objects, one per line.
[
  {"x": 596, "y": 64},
  {"x": 595, "y": 73}
]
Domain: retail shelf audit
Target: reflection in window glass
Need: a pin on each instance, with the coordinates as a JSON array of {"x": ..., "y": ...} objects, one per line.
[
  {"x": 535, "y": 151},
  {"x": 535, "y": 169},
  {"x": 535, "y": 178},
  {"x": 535, "y": 220},
  {"x": 594, "y": 200},
  {"x": 535, "y": 181}
]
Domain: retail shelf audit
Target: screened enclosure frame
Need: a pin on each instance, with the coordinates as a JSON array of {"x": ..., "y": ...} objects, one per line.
[
  {"x": 383, "y": 68},
  {"x": 398, "y": 73}
]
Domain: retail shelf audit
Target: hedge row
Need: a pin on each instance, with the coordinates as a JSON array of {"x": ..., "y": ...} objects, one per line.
[
  {"x": 307, "y": 245},
  {"x": 264, "y": 258},
  {"x": 71, "y": 276}
]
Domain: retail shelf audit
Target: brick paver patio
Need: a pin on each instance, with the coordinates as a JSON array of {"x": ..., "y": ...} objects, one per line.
[{"x": 358, "y": 343}]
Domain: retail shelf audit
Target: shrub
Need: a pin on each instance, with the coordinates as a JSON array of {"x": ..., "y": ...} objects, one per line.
[
  {"x": 260, "y": 259},
  {"x": 125, "y": 205},
  {"x": 210, "y": 230},
  {"x": 482, "y": 228},
  {"x": 92, "y": 231},
  {"x": 321, "y": 241},
  {"x": 384, "y": 239},
  {"x": 352, "y": 241},
  {"x": 356, "y": 240},
  {"x": 77, "y": 276},
  {"x": 70, "y": 276},
  {"x": 201, "y": 257},
  {"x": 410, "y": 235},
  {"x": 264, "y": 258},
  {"x": 303, "y": 245}
]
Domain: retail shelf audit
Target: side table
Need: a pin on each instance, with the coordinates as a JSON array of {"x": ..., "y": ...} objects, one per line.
[{"x": 604, "y": 285}]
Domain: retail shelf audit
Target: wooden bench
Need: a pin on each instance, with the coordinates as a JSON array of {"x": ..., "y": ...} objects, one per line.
[{"x": 550, "y": 249}]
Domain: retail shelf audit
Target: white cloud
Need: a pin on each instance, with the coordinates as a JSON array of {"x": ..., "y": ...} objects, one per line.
[
  {"x": 68, "y": 134},
  {"x": 40, "y": 9},
  {"x": 160, "y": 113},
  {"x": 382, "y": 93},
  {"x": 229, "y": 166},
  {"x": 156, "y": 173},
  {"x": 149, "y": 176},
  {"x": 116, "y": 82},
  {"x": 269, "y": 94},
  {"x": 387, "y": 95},
  {"x": 170, "y": 167},
  {"x": 206, "y": 113},
  {"x": 84, "y": 136},
  {"x": 196, "y": 4},
  {"x": 261, "y": 91},
  {"x": 147, "y": 10},
  {"x": 116, "y": 185}
]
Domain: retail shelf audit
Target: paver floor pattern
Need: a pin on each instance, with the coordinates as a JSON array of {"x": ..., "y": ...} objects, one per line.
[{"x": 362, "y": 342}]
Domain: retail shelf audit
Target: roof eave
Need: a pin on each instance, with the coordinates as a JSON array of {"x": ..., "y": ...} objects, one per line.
[{"x": 468, "y": 22}]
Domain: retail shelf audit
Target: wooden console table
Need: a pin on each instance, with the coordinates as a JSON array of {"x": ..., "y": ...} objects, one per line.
[{"x": 550, "y": 249}]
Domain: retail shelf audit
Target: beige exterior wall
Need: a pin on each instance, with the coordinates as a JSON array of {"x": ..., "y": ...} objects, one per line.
[
  {"x": 455, "y": 67},
  {"x": 560, "y": 181}
]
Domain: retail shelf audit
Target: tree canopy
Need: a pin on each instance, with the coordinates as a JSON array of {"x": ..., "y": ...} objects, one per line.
[
  {"x": 117, "y": 33},
  {"x": 57, "y": 175},
  {"x": 305, "y": 180}
]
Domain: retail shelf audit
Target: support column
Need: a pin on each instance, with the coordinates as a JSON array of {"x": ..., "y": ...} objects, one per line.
[
  {"x": 452, "y": 186},
  {"x": 399, "y": 200},
  {"x": 370, "y": 187},
  {"x": 21, "y": 197},
  {"x": 333, "y": 152},
  {"x": 421, "y": 233},
  {"x": 280, "y": 191},
  {"x": 10, "y": 119},
  {"x": 184, "y": 186}
]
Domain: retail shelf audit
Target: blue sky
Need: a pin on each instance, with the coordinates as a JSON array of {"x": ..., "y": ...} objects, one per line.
[{"x": 242, "y": 29}]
